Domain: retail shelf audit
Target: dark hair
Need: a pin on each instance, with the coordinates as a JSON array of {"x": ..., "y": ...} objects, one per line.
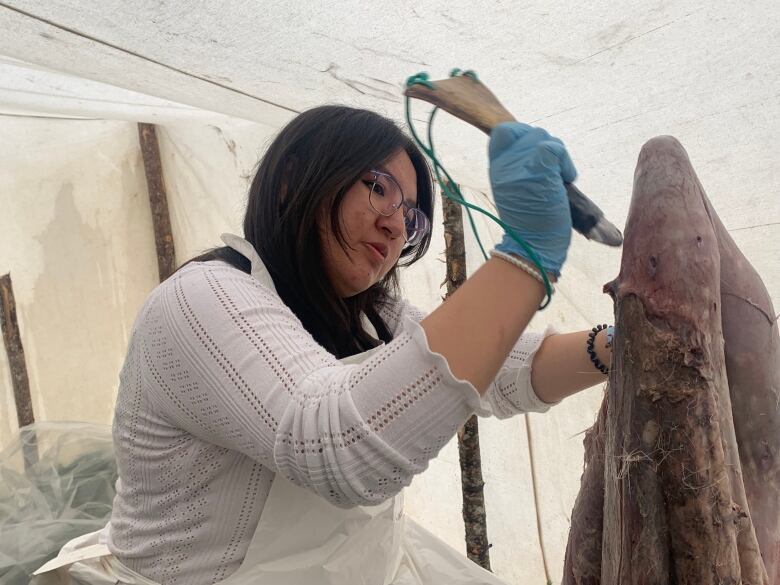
[{"x": 309, "y": 167}]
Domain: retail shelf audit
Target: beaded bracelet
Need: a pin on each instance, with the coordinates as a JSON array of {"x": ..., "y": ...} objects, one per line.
[
  {"x": 592, "y": 353},
  {"x": 519, "y": 263}
]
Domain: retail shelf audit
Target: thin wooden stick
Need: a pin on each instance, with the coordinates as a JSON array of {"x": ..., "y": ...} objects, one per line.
[
  {"x": 472, "y": 484},
  {"x": 158, "y": 199},
  {"x": 13, "y": 346},
  {"x": 16, "y": 362},
  {"x": 535, "y": 489}
]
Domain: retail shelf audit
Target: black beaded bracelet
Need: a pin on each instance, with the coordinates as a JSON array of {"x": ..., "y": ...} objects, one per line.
[{"x": 592, "y": 353}]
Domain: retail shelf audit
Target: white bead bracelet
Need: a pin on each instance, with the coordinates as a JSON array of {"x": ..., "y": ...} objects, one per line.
[{"x": 520, "y": 264}]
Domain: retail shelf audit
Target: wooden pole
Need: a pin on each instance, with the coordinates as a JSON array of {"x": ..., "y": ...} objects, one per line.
[
  {"x": 18, "y": 366},
  {"x": 15, "y": 351},
  {"x": 158, "y": 200},
  {"x": 472, "y": 484}
]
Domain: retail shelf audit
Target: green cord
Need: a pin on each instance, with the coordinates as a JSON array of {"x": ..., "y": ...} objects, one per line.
[
  {"x": 419, "y": 79},
  {"x": 467, "y": 73},
  {"x": 449, "y": 194},
  {"x": 453, "y": 193}
]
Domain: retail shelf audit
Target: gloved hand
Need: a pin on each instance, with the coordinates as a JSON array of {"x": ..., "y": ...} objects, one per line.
[{"x": 527, "y": 170}]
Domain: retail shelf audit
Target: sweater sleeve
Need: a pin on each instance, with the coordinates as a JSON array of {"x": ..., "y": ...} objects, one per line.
[
  {"x": 227, "y": 361},
  {"x": 511, "y": 392}
]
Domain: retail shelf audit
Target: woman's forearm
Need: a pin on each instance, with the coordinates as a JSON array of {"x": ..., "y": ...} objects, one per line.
[
  {"x": 476, "y": 328},
  {"x": 561, "y": 367}
]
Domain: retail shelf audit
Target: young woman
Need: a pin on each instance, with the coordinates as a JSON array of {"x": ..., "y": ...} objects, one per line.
[{"x": 278, "y": 394}]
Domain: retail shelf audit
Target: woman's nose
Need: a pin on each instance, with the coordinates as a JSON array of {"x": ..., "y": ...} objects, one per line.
[{"x": 393, "y": 225}]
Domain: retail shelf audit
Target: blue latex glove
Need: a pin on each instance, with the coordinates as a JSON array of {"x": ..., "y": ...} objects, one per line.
[{"x": 527, "y": 170}]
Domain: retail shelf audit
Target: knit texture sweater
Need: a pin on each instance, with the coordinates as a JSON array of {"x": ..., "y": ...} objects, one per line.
[{"x": 223, "y": 388}]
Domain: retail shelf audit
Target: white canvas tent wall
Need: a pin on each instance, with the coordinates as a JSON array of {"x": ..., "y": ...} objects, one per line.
[{"x": 219, "y": 79}]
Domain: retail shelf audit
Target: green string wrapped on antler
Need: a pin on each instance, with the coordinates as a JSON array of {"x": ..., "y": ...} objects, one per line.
[{"x": 450, "y": 188}]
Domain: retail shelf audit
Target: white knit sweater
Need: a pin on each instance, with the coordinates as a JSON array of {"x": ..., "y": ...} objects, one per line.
[{"x": 222, "y": 388}]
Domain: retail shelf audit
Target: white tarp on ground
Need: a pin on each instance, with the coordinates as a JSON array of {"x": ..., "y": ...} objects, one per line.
[{"x": 220, "y": 78}]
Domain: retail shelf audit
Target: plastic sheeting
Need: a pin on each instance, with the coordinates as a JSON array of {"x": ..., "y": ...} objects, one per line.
[
  {"x": 82, "y": 259},
  {"x": 56, "y": 482},
  {"x": 603, "y": 76}
]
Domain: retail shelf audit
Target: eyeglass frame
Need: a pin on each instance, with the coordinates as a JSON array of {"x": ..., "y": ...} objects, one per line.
[{"x": 403, "y": 204}]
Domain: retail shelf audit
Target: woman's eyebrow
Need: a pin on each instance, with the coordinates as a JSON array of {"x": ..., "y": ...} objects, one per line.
[{"x": 384, "y": 170}]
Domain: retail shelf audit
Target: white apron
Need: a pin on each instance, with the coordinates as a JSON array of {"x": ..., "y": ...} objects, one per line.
[{"x": 301, "y": 539}]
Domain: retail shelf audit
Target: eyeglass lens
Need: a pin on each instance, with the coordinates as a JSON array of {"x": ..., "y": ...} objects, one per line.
[{"x": 386, "y": 197}]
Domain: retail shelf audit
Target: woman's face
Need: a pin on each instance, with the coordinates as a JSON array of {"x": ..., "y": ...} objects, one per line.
[{"x": 373, "y": 241}]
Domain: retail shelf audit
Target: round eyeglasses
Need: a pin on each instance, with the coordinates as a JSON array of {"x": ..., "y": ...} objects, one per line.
[{"x": 386, "y": 197}]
